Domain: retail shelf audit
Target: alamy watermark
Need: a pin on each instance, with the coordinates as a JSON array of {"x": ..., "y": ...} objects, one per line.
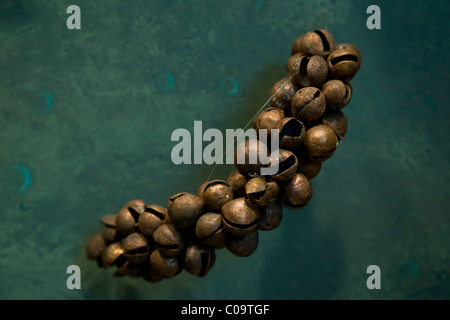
[{"x": 189, "y": 150}]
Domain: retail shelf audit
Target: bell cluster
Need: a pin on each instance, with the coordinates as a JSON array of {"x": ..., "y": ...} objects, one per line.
[{"x": 154, "y": 242}]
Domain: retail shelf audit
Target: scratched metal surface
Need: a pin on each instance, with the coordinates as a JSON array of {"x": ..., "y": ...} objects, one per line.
[{"x": 86, "y": 118}]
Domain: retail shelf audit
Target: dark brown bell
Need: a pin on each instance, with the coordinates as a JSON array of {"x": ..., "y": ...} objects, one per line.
[
  {"x": 308, "y": 167},
  {"x": 344, "y": 61},
  {"x": 320, "y": 142},
  {"x": 240, "y": 217},
  {"x": 109, "y": 231},
  {"x": 297, "y": 192},
  {"x": 248, "y": 155},
  {"x": 95, "y": 247},
  {"x": 268, "y": 119},
  {"x": 150, "y": 220},
  {"x": 260, "y": 192},
  {"x": 163, "y": 265},
  {"x": 210, "y": 230},
  {"x": 237, "y": 181},
  {"x": 113, "y": 255},
  {"x": 287, "y": 165},
  {"x": 296, "y": 45},
  {"x": 109, "y": 220},
  {"x": 168, "y": 240},
  {"x": 337, "y": 121},
  {"x": 318, "y": 42},
  {"x": 291, "y": 133},
  {"x": 136, "y": 248},
  {"x": 199, "y": 259},
  {"x": 308, "y": 104},
  {"x": 281, "y": 94},
  {"x": 244, "y": 246},
  {"x": 127, "y": 218},
  {"x": 184, "y": 210},
  {"x": 290, "y": 62},
  {"x": 309, "y": 71},
  {"x": 270, "y": 217},
  {"x": 149, "y": 274},
  {"x": 215, "y": 194},
  {"x": 337, "y": 94},
  {"x": 127, "y": 269},
  {"x": 138, "y": 203},
  {"x": 110, "y": 234}
]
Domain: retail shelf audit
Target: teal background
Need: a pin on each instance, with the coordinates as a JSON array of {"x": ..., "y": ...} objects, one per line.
[{"x": 90, "y": 114}]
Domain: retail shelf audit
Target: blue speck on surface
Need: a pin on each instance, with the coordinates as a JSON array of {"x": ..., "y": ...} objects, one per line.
[
  {"x": 259, "y": 4},
  {"x": 229, "y": 86},
  {"x": 17, "y": 178},
  {"x": 41, "y": 101},
  {"x": 164, "y": 81}
]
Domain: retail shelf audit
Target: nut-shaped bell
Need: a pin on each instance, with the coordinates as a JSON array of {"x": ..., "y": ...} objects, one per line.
[
  {"x": 260, "y": 192},
  {"x": 309, "y": 71},
  {"x": 150, "y": 220},
  {"x": 320, "y": 142},
  {"x": 240, "y": 217},
  {"x": 344, "y": 61},
  {"x": 297, "y": 192},
  {"x": 210, "y": 230},
  {"x": 199, "y": 259},
  {"x": 168, "y": 240},
  {"x": 184, "y": 209},
  {"x": 136, "y": 248},
  {"x": 215, "y": 194},
  {"x": 244, "y": 246}
]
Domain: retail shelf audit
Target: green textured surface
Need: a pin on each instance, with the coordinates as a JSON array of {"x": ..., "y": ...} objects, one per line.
[{"x": 382, "y": 199}]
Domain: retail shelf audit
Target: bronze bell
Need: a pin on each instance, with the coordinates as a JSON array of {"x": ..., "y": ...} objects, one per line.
[
  {"x": 240, "y": 217},
  {"x": 150, "y": 220},
  {"x": 136, "y": 248},
  {"x": 95, "y": 247},
  {"x": 260, "y": 192},
  {"x": 268, "y": 119},
  {"x": 296, "y": 45},
  {"x": 287, "y": 165},
  {"x": 337, "y": 94},
  {"x": 127, "y": 218},
  {"x": 309, "y": 71},
  {"x": 113, "y": 255},
  {"x": 307, "y": 166},
  {"x": 109, "y": 231},
  {"x": 344, "y": 61},
  {"x": 291, "y": 133},
  {"x": 297, "y": 192},
  {"x": 251, "y": 151},
  {"x": 290, "y": 62},
  {"x": 237, "y": 181},
  {"x": 244, "y": 246},
  {"x": 308, "y": 104},
  {"x": 163, "y": 265},
  {"x": 318, "y": 42},
  {"x": 148, "y": 273},
  {"x": 184, "y": 209},
  {"x": 168, "y": 240},
  {"x": 281, "y": 94},
  {"x": 199, "y": 259},
  {"x": 210, "y": 230},
  {"x": 215, "y": 194},
  {"x": 270, "y": 217},
  {"x": 337, "y": 121},
  {"x": 320, "y": 142}
]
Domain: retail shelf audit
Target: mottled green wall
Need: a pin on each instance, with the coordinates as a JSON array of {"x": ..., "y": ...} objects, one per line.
[{"x": 382, "y": 199}]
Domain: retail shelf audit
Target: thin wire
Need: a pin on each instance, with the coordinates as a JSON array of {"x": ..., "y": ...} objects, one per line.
[{"x": 246, "y": 126}]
